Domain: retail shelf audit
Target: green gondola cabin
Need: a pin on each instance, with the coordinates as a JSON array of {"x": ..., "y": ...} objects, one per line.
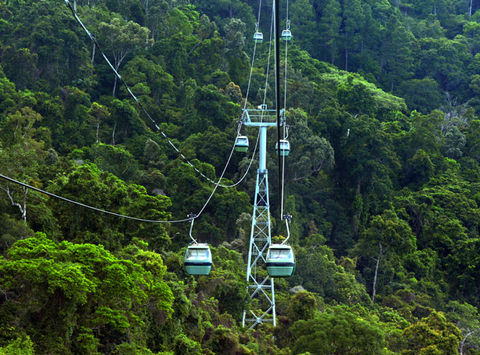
[
  {"x": 286, "y": 35},
  {"x": 280, "y": 260},
  {"x": 241, "y": 144},
  {"x": 198, "y": 259},
  {"x": 284, "y": 147},
  {"x": 258, "y": 37}
]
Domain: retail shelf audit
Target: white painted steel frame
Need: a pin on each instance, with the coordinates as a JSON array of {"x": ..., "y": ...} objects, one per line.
[{"x": 260, "y": 286}]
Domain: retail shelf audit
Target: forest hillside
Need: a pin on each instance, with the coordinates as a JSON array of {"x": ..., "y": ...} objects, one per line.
[{"x": 382, "y": 180}]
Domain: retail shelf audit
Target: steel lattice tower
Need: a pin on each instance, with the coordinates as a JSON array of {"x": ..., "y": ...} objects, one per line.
[{"x": 260, "y": 286}]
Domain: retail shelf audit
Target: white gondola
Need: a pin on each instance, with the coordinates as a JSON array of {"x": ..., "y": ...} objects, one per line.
[
  {"x": 286, "y": 35},
  {"x": 280, "y": 260},
  {"x": 198, "y": 259},
  {"x": 241, "y": 144},
  {"x": 258, "y": 37},
  {"x": 284, "y": 147}
]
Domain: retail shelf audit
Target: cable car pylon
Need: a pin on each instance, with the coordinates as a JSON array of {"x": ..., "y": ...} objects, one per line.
[{"x": 260, "y": 285}]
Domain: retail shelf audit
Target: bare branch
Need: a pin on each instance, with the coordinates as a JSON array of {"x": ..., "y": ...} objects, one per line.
[{"x": 13, "y": 203}]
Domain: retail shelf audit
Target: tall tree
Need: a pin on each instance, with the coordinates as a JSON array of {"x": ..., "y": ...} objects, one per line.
[
  {"x": 20, "y": 155},
  {"x": 121, "y": 38},
  {"x": 81, "y": 297},
  {"x": 329, "y": 28},
  {"x": 353, "y": 22},
  {"x": 386, "y": 239}
]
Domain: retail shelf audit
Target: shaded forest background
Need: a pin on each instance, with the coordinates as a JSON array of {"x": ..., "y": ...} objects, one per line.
[{"x": 383, "y": 180}]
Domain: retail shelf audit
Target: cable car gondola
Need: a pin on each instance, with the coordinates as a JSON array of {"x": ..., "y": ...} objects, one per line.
[
  {"x": 258, "y": 37},
  {"x": 280, "y": 260},
  {"x": 198, "y": 259},
  {"x": 286, "y": 35},
  {"x": 241, "y": 144},
  {"x": 284, "y": 147}
]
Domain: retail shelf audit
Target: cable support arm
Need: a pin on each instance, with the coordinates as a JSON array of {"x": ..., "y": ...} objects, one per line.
[
  {"x": 192, "y": 217},
  {"x": 287, "y": 218}
]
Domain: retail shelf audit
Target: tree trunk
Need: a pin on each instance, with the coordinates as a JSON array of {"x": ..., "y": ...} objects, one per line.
[
  {"x": 374, "y": 290},
  {"x": 93, "y": 53},
  {"x": 114, "y": 86},
  {"x": 462, "y": 343},
  {"x": 24, "y": 213},
  {"x": 96, "y": 134},
  {"x": 470, "y": 9},
  {"x": 346, "y": 59},
  {"x": 113, "y": 133},
  {"x": 21, "y": 207},
  {"x": 356, "y": 213}
]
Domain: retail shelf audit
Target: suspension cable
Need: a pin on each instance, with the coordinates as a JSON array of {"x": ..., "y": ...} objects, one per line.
[
  {"x": 253, "y": 57},
  {"x": 267, "y": 74},
  {"x": 119, "y": 214},
  {"x": 88, "y": 206},
  {"x": 282, "y": 202},
  {"x": 277, "y": 97},
  {"x": 264, "y": 96},
  {"x": 139, "y": 103}
]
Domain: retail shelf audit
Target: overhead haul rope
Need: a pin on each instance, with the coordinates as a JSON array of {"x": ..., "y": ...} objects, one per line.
[
  {"x": 267, "y": 74},
  {"x": 119, "y": 214},
  {"x": 277, "y": 99},
  {"x": 88, "y": 206},
  {"x": 264, "y": 96},
  {"x": 142, "y": 107},
  {"x": 257, "y": 25},
  {"x": 245, "y": 106},
  {"x": 253, "y": 57},
  {"x": 285, "y": 128}
]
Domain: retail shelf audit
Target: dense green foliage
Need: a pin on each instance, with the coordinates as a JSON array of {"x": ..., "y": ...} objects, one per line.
[{"x": 383, "y": 180}]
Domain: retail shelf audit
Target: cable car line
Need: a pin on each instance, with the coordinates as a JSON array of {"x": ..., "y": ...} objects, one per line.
[
  {"x": 141, "y": 106},
  {"x": 253, "y": 58},
  {"x": 119, "y": 214},
  {"x": 280, "y": 261},
  {"x": 277, "y": 95},
  {"x": 285, "y": 127},
  {"x": 88, "y": 206},
  {"x": 264, "y": 93}
]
